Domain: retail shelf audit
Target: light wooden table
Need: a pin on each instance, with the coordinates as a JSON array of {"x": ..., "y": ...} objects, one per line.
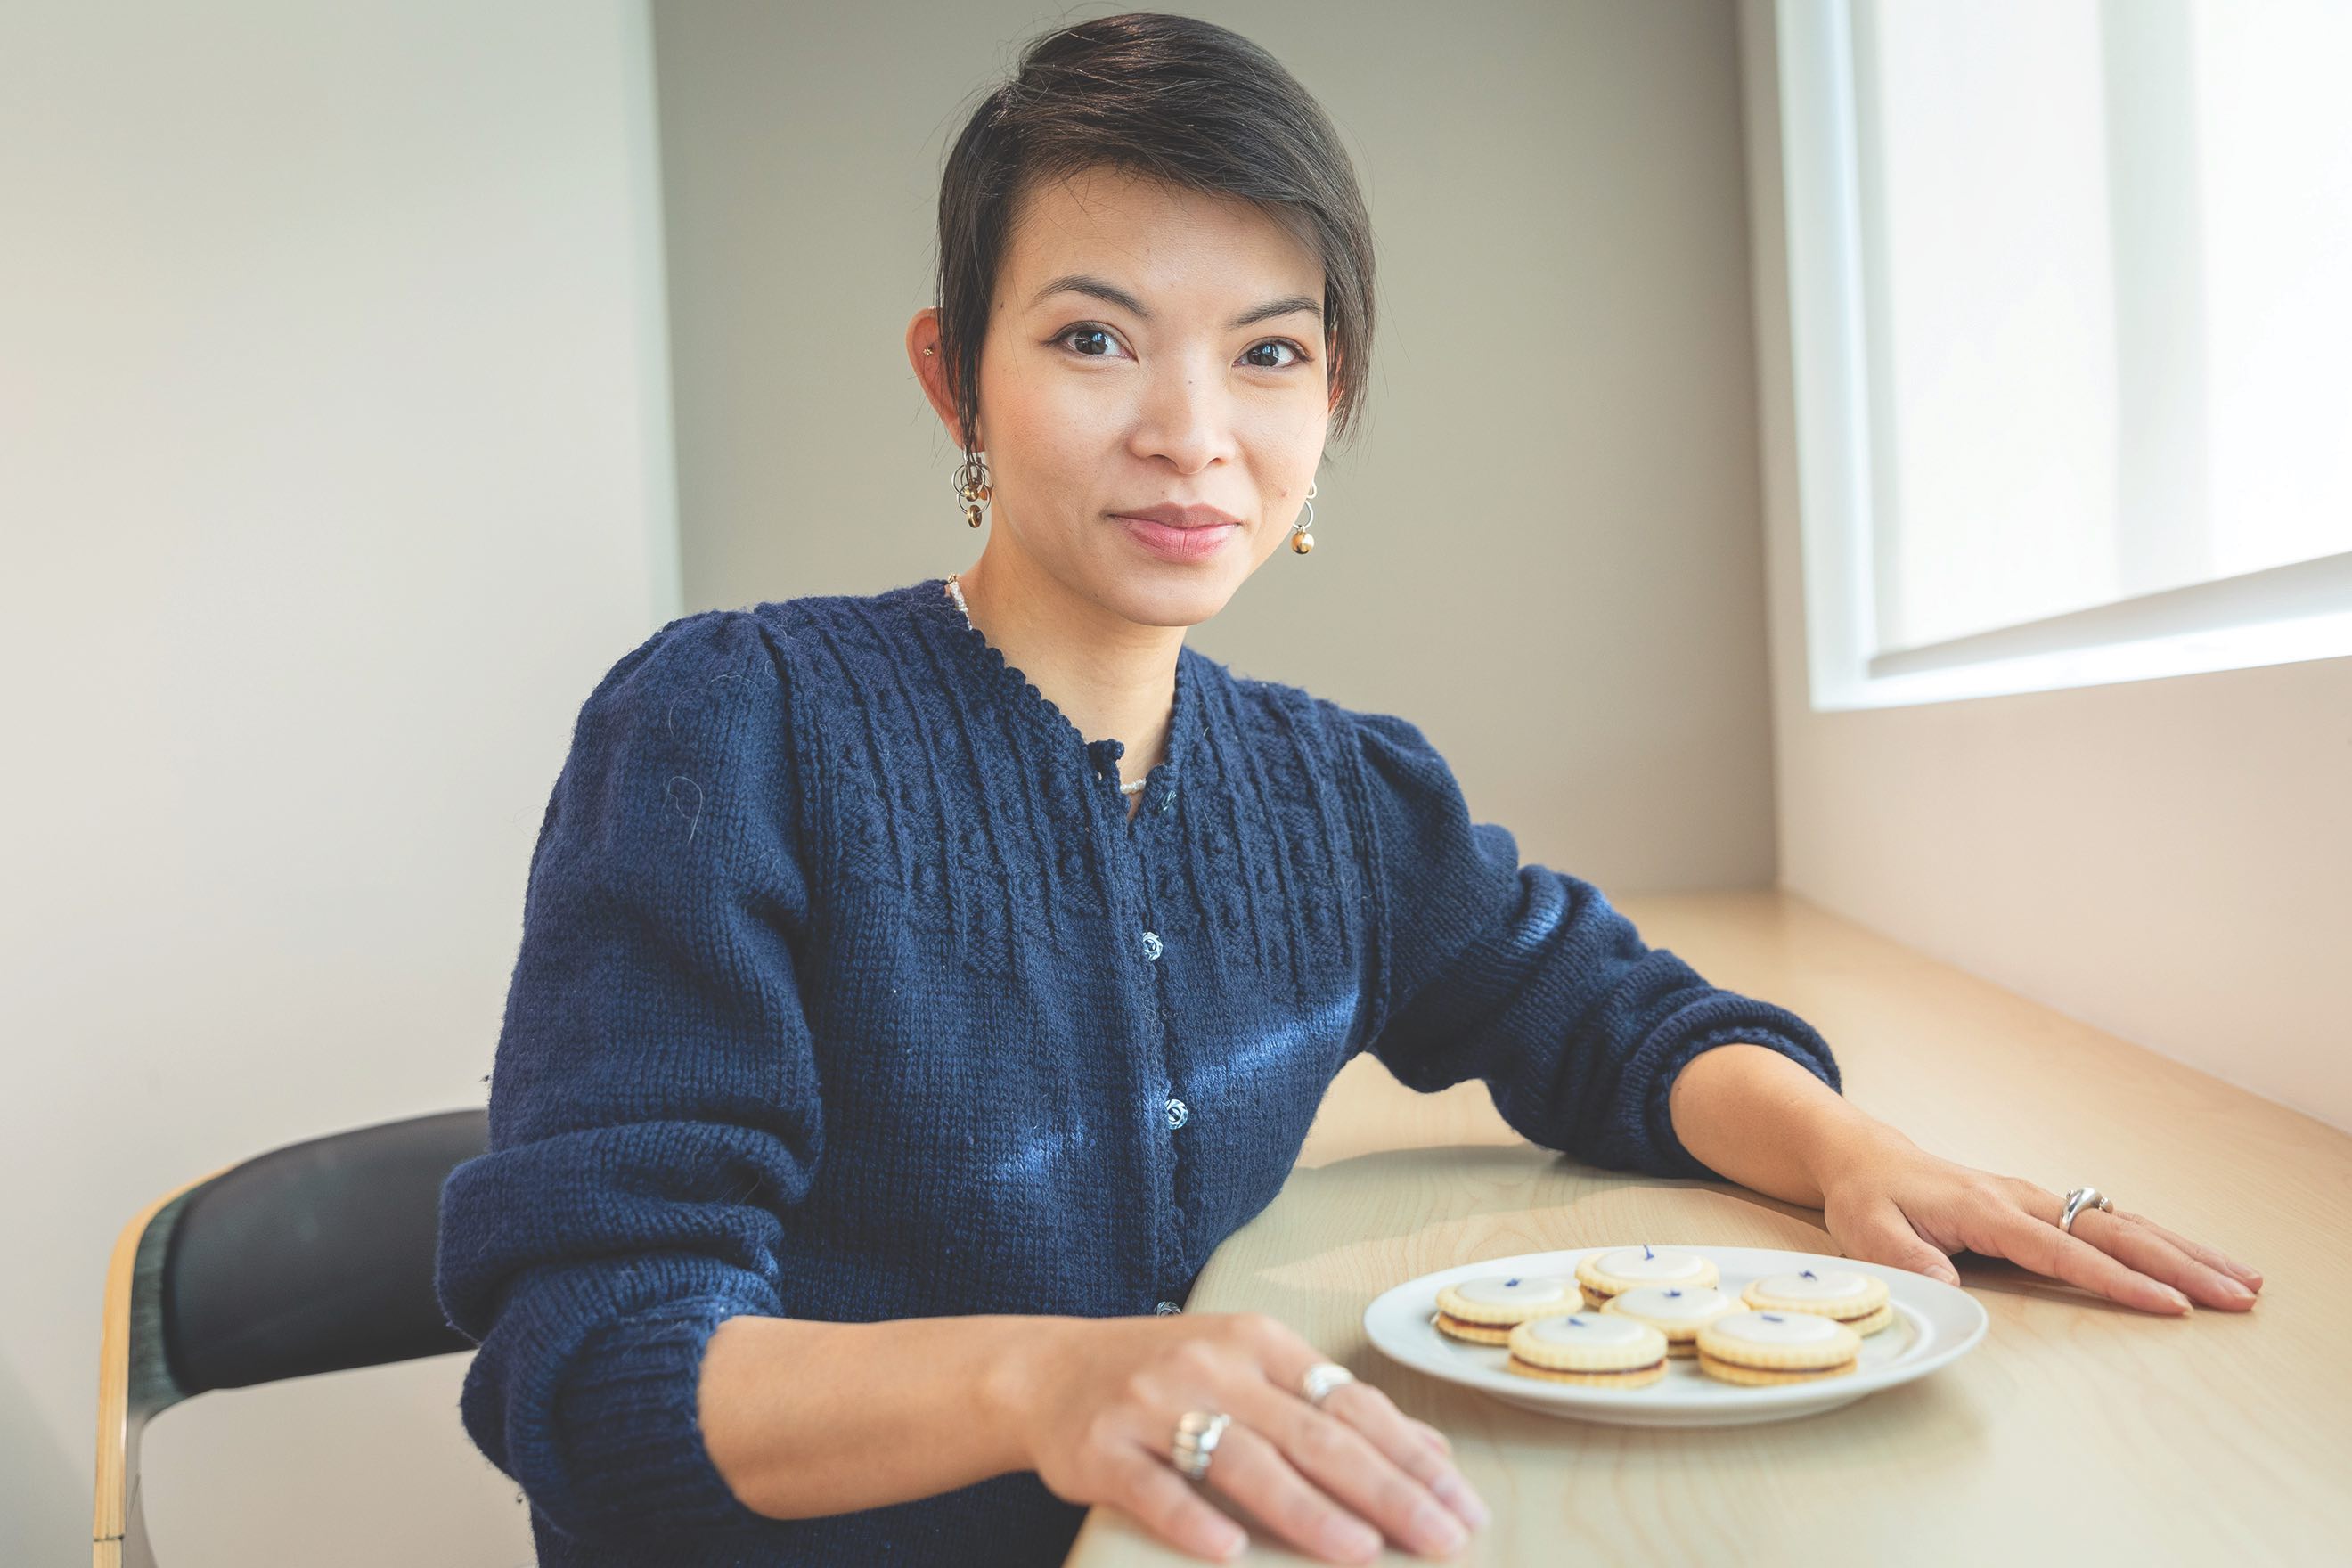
[{"x": 2077, "y": 1431}]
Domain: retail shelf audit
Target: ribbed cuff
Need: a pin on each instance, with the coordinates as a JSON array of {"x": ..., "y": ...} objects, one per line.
[
  {"x": 1754, "y": 1023},
  {"x": 633, "y": 1449}
]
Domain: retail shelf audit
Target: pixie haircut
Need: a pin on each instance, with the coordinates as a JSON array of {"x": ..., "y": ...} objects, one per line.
[{"x": 1183, "y": 101}]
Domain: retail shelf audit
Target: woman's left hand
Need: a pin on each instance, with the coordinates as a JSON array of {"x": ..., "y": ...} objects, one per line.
[{"x": 1886, "y": 1200}]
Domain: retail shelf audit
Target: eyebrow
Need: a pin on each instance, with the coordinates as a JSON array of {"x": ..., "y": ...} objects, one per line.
[{"x": 1111, "y": 293}]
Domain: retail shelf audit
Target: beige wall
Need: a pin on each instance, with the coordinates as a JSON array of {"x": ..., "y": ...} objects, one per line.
[
  {"x": 2166, "y": 859},
  {"x": 333, "y": 470},
  {"x": 1545, "y": 546}
]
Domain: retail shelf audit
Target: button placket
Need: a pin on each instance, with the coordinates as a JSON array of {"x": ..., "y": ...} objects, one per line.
[{"x": 1134, "y": 842}]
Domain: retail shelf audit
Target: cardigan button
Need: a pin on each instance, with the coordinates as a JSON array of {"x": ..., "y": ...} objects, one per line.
[
  {"x": 1151, "y": 945},
  {"x": 1178, "y": 1114},
  {"x": 1167, "y": 1306}
]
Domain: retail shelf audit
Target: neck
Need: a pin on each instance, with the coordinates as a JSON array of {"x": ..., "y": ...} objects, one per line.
[{"x": 1112, "y": 677}]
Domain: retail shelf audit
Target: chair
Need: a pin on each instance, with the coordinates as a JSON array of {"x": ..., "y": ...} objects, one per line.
[{"x": 318, "y": 1256}]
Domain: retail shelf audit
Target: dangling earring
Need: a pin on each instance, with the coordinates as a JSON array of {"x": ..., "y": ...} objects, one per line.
[
  {"x": 972, "y": 485},
  {"x": 1300, "y": 540}
]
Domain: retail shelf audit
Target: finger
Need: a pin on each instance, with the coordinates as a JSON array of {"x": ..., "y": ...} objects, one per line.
[
  {"x": 1883, "y": 1234},
  {"x": 2211, "y": 1257},
  {"x": 1285, "y": 1358},
  {"x": 2012, "y": 1233},
  {"x": 2140, "y": 1246},
  {"x": 1334, "y": 1454},
  {"x": 1251, "y": 1470},
  {"x": 1163, "y": 1502},
  {"x": 1418, "y": 1449}
]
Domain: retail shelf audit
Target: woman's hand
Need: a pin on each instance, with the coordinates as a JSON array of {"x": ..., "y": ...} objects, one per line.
[
  {"x": 1098, "y": 1404},
  {"x": 1886, "y": 1200}
]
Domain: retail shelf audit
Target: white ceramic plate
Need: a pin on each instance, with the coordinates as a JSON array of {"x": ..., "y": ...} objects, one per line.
[{"x": 1935, "y": 1324}]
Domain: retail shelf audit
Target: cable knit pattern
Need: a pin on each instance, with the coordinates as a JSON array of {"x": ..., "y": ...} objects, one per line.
[{"x": 848, "y": 989}]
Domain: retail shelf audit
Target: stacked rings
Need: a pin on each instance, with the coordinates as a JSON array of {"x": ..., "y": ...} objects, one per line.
[{"x": 1197, "y": 1432}]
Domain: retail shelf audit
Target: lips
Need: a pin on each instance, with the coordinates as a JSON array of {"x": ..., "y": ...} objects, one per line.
[{"x": 1179, "y": 533}]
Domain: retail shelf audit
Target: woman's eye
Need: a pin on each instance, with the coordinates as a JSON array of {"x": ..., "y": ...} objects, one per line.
[
  {"x": 1296, "y": 354},
  {"x": 1082, "y": 334}
]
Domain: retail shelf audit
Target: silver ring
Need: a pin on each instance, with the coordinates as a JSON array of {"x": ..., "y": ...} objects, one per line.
[
  {"x": 1197, "y": 1432},
  {"x": 1322, "y": 1378},
  {"x": 2083, "y": 1198}
]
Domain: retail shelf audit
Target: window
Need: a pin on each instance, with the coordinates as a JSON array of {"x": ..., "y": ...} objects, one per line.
[{"x": 2071, "y": 305}]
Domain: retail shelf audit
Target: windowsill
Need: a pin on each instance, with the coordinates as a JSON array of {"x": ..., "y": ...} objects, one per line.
[{"x": 2282, "y": 615}]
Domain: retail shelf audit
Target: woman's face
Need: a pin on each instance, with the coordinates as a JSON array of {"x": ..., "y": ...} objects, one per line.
[{"x": 1149, "y": 346}]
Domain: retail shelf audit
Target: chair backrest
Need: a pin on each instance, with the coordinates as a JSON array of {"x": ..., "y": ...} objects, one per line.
[
  {"x": 318, "y": 1256},
  {"x": 314, "y": 1257}
]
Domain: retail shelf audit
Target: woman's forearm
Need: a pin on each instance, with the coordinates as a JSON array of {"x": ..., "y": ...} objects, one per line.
[
  {"x": 804, "y": 1418},
  {"x": 1766, "y": 1123}
]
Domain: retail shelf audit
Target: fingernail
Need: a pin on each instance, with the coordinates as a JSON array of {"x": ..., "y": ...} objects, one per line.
[
  {"x": 2250, "y": 1276},
  {"x": 2180, "y": 1301},
  {"x": 2235, "y": 1291},
  {"x": 1463, "y": 1501},
  {"x": 1228, "y": 1543}
]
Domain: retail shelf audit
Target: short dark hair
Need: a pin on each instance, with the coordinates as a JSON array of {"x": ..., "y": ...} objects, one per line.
[{"x": 1180, "y": 100}]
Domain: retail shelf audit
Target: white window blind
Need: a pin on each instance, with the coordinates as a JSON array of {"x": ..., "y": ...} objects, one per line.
[{"x": 2071, "y": 295}]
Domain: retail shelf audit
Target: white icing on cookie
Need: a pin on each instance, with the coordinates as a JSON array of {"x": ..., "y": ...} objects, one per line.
[
  {"x": 1589, "y": 1329},
  {"x": 1836, "y": 1284},
  {"x": 1779, "y": 1327},
  {"x": 1676, "y": 1303},
  {"x": 1652, "y": 1263},
  {"x": 1516, "y": 1289}
]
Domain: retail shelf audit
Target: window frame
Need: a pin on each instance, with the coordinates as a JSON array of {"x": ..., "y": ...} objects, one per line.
[{"x": 2278, "y": 615}]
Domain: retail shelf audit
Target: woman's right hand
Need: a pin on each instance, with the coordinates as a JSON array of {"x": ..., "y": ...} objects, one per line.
[{"x": 1098, "y": 1411}]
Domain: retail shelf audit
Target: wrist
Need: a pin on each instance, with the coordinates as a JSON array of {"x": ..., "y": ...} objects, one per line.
[
  {"x": 1018, "y": 1384},
  {"x": 1849, "y": 1145}
]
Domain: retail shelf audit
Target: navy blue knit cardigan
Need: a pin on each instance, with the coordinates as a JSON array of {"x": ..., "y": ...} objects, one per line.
[{"x": 849, "y": 989}]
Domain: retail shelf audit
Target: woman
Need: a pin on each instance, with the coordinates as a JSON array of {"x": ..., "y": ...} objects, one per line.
[{"x": 885, "y": 1057}]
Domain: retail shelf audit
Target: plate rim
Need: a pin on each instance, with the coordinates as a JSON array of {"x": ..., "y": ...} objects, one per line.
[{"x": 1931, "y": 1356}]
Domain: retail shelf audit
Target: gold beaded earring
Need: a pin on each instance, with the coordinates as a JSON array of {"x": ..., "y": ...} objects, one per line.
[
  {"x": 972, "y": 480},
  {"x": 1300, "y": 540},
  {"x": 972, "y": 485}
]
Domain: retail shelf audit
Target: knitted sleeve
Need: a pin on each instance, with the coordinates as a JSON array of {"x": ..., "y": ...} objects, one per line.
[
  {"x": 653, "y": 1104},
  {"x": 1528, "y": 979}
]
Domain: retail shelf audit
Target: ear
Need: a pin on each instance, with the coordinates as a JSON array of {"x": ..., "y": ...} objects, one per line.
[
  {"x": 1339, "y": 360},
  {"x": 929, "y": 356}
]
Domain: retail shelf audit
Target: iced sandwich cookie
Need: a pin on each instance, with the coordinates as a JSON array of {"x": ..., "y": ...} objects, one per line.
[
  {"x": 1762, "y": 1348},
  {"x": 1605, "y": 1274},
  {"x": 1596, "y": 1350},
  {"x": 1857, "y": 1300},
  {"x": 1677, "y": 1311},
  {"x": 1484, "y": 1310}
]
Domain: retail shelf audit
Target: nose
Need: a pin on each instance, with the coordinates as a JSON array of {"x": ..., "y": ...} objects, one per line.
[{"x": 1185, "y": 416}]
